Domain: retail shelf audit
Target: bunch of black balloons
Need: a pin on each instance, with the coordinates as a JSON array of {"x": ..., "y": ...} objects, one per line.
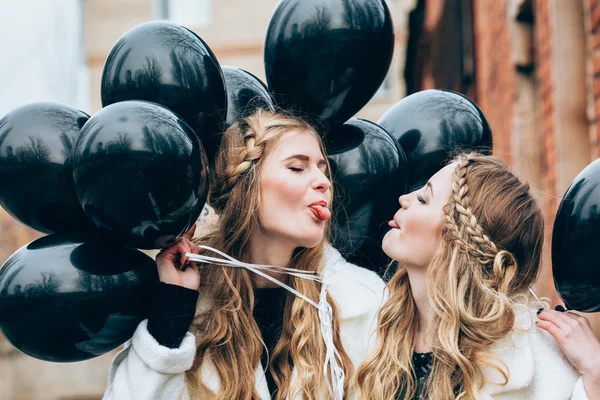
[
  {"x": 324, "y": 60},
  {"x": 135, "y": 175}
]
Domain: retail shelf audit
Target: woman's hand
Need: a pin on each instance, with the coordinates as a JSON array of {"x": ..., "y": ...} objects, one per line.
[
  {"x": 173, "y": 266},
  {"x": 574, "y": 335}
]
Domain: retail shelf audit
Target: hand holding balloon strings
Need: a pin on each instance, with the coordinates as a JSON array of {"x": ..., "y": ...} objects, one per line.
[{"x": 174, "y": 266}]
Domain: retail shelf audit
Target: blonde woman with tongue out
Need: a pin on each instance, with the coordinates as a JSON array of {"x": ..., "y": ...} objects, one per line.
[{"x": 218, "y": 332}]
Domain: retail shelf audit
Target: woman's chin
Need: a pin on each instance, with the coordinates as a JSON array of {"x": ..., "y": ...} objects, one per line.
[
  {"x": 390, "y": 244},
  {"x": 311, "y": 243},
  {"x": 310, "y": 240}
]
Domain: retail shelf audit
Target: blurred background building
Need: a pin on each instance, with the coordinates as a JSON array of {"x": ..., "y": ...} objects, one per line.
[{"x": 532, "y": 65}]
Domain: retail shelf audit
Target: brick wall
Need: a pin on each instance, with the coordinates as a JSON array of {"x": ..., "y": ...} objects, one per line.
[
  {"x": 553, "y": 130},
  {"x": 494, "y": 71},
  {"x": 592, "y": 24},
  {"x": 546, "y": 113}
]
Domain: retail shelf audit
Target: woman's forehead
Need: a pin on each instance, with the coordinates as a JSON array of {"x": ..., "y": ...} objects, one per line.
[{"x": 298, "y": 142}]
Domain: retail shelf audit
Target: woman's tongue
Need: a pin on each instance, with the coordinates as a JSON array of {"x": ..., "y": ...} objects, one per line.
[{"x": 321, "y": 212}]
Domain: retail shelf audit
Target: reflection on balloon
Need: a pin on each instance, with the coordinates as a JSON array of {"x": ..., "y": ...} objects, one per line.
[
  {"x": 575, "y": 241},
  {"x": 245, "y": 94},
  {"x": 170, "y": 65},
  {"x": 36, "y": 141},
  {"x": 139, "y": 174},
  {"x": 72, "y": 297},
  {"x": 431, "y": 126},
  {"x": 325, "y": 59},
  {"x": 369, "y": 172}
]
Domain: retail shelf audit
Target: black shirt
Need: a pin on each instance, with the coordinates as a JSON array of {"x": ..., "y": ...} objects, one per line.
[
  {"x": 268, "y": 312},
  {"x": 173, "y": 308},
  {"x": 171, "y": 313},
  {"x": 422, "y": 363},
  {"x": 422, "y": 366}
]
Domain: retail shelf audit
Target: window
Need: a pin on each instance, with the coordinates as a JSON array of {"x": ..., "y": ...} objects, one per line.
[{"x": 192, "y": 14}]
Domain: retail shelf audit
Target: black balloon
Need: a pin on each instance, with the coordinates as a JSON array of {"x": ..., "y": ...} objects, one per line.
[
  {"x": 575, "y": 241},
  {"x": 170, "y": 65},
  {"x": 245, "y": 94},
  {"x": 72, "y": 297},
  {"x": 139, "y": 174},
  {"x": 431, "y": 126},
  {"x": 369, "y": 172},
  {"x": 36, "y": 142},
  {"x": 326, "y": 58}
]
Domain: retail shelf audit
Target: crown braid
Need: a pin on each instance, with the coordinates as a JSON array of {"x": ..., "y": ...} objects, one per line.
[{"x": 461, "y": 224}]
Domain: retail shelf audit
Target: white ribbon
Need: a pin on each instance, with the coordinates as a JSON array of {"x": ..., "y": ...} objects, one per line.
[
  {"x": 332, "y": 355},
  {"x": 543, "y": 301},
  {"x": 332, "y": 365}
]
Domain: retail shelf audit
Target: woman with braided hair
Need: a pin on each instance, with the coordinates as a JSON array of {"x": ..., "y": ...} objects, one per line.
[
  {"x": 459, "y": 322},
  {"x": 218, "y": 332}
]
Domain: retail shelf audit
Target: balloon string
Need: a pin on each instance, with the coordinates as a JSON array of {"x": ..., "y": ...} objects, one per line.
[
  {"x": 332, "y": 366},
  {"x": 250, "y": 267},
  {"x": 333, "y": 358},
  {"x": 539, "y": 299}
]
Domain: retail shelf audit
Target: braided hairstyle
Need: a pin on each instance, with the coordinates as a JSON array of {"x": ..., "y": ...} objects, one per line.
[
  {"x": 489, "y": 252},
  {"x": 226, "y": 333}
]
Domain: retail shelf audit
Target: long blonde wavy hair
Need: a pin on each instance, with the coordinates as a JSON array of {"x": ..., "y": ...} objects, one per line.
[
  {"x": 488, "y": 256},
  {"x": 228, "y": 333}
]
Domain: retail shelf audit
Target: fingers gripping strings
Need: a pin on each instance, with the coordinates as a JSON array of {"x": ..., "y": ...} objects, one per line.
[{"x": 332, "y": 366}]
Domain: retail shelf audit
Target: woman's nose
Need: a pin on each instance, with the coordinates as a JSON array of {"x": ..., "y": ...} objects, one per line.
[
  {"x": 404, "y": 201},
  {"x": 321, "y": 183}
]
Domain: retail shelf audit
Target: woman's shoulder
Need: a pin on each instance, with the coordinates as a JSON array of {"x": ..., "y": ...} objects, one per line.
[
  {"x": 349, "y": 274},
  {"x": 355, "y": 289},
  {"x": 535, "y": 363}
]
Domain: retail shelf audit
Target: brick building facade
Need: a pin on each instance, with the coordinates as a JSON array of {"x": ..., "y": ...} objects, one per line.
[{"x": 536, "y": 75}]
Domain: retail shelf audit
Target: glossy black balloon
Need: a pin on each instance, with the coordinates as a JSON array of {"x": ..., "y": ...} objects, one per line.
[
  {"x": 245, "y": 94},
  {"x": 575, "y": 241},
  {"x": 72, "y": 297},
  {"x": 36, "y": 141},
  {"x": 140, "y": 174},
  {"x": 325, "y": 59},
  {"x": 169, "y": 65},
  {"x": 431, "y": 126},
  {"x": 369, "y": 172}
]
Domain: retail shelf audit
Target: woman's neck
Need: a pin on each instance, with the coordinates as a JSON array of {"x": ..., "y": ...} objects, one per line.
[
  {"x": 269, "y": 252},
  {"x": 418, "y": 285}
]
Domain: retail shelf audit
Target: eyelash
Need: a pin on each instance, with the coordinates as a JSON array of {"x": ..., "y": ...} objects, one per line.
[
  {"x": 295, "y": 169},
  {"x": 420, "y": 198}
]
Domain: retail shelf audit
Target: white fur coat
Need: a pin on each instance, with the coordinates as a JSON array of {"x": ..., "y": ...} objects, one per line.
[
  {"x": 144, "y": 370},
  {"x": 538, "y": 369}
]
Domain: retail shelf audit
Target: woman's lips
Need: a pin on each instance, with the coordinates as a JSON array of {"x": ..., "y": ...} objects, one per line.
[
  {"x": 393, "y": 224},
  {"x": 320, "y": 211}
]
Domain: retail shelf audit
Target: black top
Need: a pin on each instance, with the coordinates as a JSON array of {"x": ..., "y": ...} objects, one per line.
[
  {"x": 171, "y": 313},
  {"x": 268, "y": 312},
  {"x": 422, "y": 365},
  {"x": 173, "y": 308}
]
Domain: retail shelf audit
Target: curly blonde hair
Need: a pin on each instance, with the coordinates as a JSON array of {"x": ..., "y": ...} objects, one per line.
[
  {"x": 228, "y": 333},
  {"x": 489, "y": 254}
]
